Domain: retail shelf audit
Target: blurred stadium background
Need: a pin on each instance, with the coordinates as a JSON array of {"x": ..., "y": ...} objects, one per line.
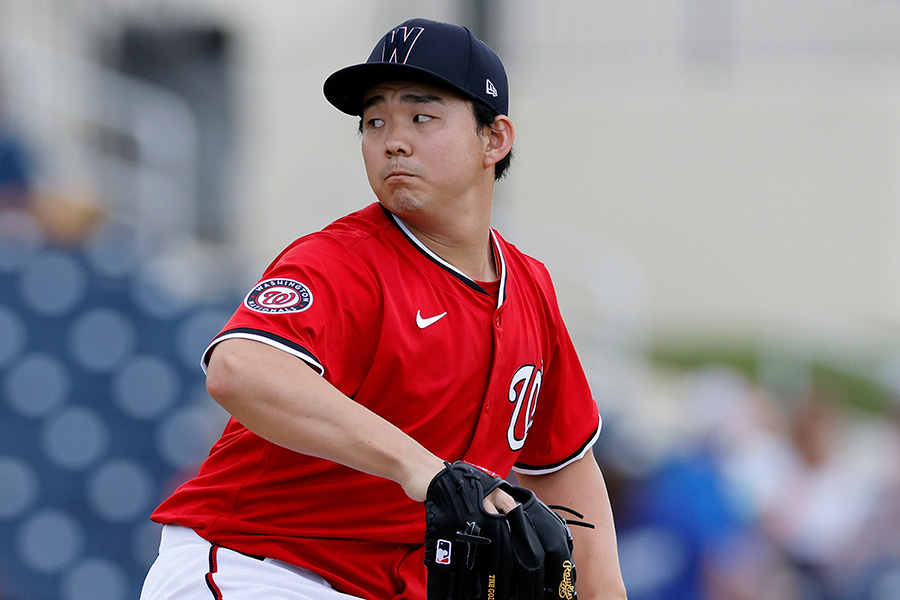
[{"x": 713, "y": 183}]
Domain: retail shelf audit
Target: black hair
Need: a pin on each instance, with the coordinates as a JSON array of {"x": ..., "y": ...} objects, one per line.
[{"x": 484, "y": 117}]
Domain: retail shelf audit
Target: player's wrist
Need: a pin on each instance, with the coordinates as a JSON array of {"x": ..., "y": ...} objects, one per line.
[{"x": 418, "y": 477}]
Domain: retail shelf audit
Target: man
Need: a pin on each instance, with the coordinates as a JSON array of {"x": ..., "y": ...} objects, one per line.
[{"x": 403, "y": 335}]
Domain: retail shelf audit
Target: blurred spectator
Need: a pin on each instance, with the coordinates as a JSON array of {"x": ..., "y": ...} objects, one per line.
[
  {"x": 684, "y": 507},
  {"x": 763, "y": 500},
  {"x": 832, "y": 492},
  {"x": 16, "y": 169},
  {"x": 870, "y": 565},
  {"x": 64, "y": 216},
  {"x": 67, "y": 217},
  {"x": 696, "y": 511}
]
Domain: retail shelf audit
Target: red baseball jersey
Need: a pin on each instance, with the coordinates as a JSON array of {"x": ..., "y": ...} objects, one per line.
[{"x": 484, "y": 372}]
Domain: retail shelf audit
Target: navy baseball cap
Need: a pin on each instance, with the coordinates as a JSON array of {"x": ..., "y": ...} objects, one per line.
[{"x": 426, "y": 51}]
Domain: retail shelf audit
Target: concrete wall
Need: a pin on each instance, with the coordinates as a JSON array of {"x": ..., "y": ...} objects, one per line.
[{"x": 725, "y": 167}]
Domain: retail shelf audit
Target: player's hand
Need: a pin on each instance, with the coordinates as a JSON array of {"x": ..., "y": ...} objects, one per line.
[
  {"x": 417, "y": 482},
  {"x": 499, "y": 501}
]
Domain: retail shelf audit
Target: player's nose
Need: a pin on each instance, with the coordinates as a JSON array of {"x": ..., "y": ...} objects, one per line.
[
  {"x": 397, "y": 142},
  {"x": 397, "y": 147}
]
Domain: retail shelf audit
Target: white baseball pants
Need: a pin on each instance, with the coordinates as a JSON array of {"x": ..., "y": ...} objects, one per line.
[{"x": 190, "y": 568}]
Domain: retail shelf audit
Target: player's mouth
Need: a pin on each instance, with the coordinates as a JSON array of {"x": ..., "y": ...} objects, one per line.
[
  {"x": 398, "y": 176},
  {"x": 395, "y": 173}
]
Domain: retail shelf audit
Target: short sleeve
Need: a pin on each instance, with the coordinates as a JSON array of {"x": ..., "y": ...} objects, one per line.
[
  {"x": 567, "y": 422},
  {"x": 316, "y": 301}
]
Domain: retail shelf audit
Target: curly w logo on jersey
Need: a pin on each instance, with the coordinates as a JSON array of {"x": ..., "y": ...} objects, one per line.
[
  {"x": 279, "y": 296},
  {"x": 523, "y": 392}
]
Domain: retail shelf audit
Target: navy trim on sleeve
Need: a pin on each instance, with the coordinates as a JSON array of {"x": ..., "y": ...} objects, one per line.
[
  {"x": 276, "y": 341},
  {"x": 577, "y": 455}
]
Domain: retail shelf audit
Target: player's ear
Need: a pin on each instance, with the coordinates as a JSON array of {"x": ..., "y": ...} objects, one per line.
[{"x": 500, "y": 136}]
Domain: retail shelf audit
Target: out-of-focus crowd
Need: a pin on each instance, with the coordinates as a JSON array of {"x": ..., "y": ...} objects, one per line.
[{"x": 759, "y": 498}]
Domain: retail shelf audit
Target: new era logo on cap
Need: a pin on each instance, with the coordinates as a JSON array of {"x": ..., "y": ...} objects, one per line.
[{"x": 426, "y": 51}]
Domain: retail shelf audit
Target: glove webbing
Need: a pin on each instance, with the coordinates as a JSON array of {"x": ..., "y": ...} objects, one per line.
[{"x": 473, "y": 540}]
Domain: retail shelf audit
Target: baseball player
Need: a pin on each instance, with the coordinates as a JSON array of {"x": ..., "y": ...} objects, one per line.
[{"x": 399, "y": 337}]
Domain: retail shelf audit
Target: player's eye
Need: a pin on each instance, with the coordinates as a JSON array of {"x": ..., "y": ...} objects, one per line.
[
  {"x": 421, "y": 118},
  {"x": 375, "y": 123}
]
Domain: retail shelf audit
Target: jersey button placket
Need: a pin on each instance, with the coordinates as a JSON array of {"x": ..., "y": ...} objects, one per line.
[{"x": 498, "y": 327}]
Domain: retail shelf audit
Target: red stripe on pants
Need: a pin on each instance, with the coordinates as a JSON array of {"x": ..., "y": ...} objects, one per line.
[{"x": 213, "y": 567}]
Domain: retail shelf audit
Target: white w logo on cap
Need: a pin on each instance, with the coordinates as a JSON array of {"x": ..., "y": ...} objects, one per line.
[{"x": 399, "y": 43}]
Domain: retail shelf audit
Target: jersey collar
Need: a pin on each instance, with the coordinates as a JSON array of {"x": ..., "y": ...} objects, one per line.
[{"x": 501, "y": 296}]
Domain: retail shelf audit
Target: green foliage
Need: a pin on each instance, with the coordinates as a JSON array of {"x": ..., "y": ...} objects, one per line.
[{"x": 854, "y": 383}]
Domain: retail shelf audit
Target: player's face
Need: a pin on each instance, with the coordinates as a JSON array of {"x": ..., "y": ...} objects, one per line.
[{"x": 422, "y": 148}]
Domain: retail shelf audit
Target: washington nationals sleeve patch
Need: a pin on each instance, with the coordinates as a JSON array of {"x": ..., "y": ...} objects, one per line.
[{"x": 279, "y": 296}]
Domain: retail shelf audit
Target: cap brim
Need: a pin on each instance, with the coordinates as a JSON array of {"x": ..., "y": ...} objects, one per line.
[{"x": 345, "y": 88}]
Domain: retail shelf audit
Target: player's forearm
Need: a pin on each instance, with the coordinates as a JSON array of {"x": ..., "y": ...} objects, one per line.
[
  {"x": 279, "y": 398},
  {"x": 581, "y": 487}
]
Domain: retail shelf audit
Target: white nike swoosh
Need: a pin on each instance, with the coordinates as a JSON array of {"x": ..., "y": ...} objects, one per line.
[{"x": 423, "y": 322}]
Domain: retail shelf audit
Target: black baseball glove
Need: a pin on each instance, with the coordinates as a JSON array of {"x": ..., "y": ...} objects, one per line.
[{"x": 471, "y": 554}]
